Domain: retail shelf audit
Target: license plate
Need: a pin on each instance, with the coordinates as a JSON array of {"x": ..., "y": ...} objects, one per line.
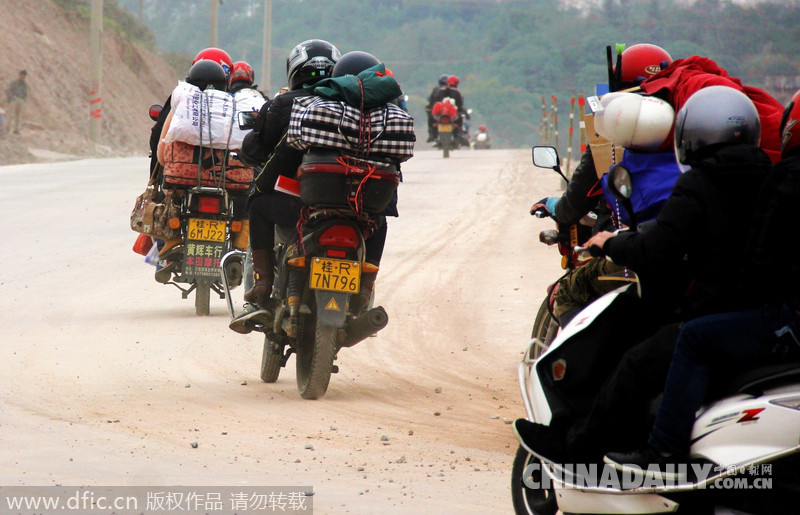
[
  {"x": 206, "y": 230},
  {"x": 335, "y": 275},
  {"x": 445, "y": 127}
]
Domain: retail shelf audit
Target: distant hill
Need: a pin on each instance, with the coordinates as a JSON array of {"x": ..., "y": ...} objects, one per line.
[{"x": 52, "y": 44}]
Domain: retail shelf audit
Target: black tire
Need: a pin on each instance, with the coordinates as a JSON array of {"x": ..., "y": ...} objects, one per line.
[
  {"x": 202, "y": 297},
  {"x": 315, "y": 362},
  {"x": 545, "y": 327},
  {"x": 446, "y": 140},
  {"x": 271, "y": 358},
  {"x": 526, "y": 500}
]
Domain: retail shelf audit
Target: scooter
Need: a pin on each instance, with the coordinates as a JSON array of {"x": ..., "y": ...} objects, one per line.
[{"x": 740, "y": 438}]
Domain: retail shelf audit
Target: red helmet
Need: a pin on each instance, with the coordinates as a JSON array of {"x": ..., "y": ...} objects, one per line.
[
  {"x": 242, "y": 72},
  {"x": 217, "y": 55},
  {"x": 482, "y": 128},
  {"x": 452, "y": 81},
  {"x": 640, "y": 62},
  {"x": 790, "y": 130}
]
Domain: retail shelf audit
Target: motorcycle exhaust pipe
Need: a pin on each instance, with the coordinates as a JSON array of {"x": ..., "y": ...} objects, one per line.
[{"x": 365, "y": 325}]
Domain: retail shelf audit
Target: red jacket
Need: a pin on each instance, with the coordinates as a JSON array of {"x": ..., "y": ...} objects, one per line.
[{"x": 679, "y": 80}]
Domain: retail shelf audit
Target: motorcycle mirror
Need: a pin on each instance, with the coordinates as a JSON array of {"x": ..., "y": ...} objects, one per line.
[
  {"x": 405, "y": 97},
  {"x": 620, "y": 184},
  {"x": 155, "y": 110},
  {"x": 547, "y": 157},
  {"x": 247, "y": 119},
  {"x": 469, "y": 111}
]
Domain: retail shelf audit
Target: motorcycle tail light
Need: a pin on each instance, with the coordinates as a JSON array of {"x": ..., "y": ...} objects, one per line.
[
  {"x": 208, "y": 204},
  {"x": 339, "y": 236},
  {"x": 336, "y": 253}
]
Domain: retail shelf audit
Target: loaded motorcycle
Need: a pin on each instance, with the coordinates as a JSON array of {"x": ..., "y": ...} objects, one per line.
[
  {"x": 320, "y": 267},
  {"x": 753, "y": 422},
  {"x": 203, "y": 213}
]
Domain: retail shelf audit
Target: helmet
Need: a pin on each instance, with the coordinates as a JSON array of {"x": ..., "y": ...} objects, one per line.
[
  {"x": 452, "y": 81},
  {"x": 482, "y": 128},
  {"x": 790, "y": 130},
  {"x": 713, "y": 117},
  {"x": 353, "y": 63},
  {"x": 217, "y": 55},
  {"x": 310, "y": 61},
  {"x": 242, "y": 72},
  {"x": 443, "y": 79},
  {"x": 206, "y": 73},
  {"x": 640, "y": 62}
]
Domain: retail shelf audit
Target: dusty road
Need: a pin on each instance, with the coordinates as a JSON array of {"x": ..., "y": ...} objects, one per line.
[{"x": 108, "y": 377}]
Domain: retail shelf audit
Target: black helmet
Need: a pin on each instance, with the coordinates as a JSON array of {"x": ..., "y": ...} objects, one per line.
[
  {"x": 310, "y": 61},
  {"x": 443, "y": 79},
  {"x": 206, "y": 73},
  {"x": 353, "y": 63},
  {"x": 713, "y": 117}
]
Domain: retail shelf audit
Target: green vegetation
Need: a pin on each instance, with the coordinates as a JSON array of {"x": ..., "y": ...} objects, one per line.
[{"x": 508, "y": 54}]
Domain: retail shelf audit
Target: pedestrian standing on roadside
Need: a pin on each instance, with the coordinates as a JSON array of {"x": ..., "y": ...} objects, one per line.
[{"x": 16, "y": 97}]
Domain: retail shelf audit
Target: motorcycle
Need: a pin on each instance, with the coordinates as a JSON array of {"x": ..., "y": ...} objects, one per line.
[
  {"x": 449, "y": 125},
  {"x": 208, "y": 223},
  {"x": 481, "y": 141},
  {"x": 749, "y": 426},
  {"x": 320, "y": 267}
]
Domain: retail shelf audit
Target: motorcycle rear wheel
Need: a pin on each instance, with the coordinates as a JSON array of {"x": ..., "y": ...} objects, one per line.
[
  {"x": 271, "y": 358},
  {"x": 526, "y": 500},
  {"x": 315, "y": 362},
  {"x": 446, "y": 140},
  {"x": 545, "y": 327},
  {"x": 202, "y": 297}
]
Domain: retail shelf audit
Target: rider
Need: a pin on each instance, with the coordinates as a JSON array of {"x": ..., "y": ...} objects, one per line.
[
  {"x": 730, "y": 342},
  {"x": 432, "y": 132},
  {"x": 212, "y": 53},
  {"x": 696, "y": 225},
  {"x": 307, "y": 63},
  {"x": 584, "y": 194}
]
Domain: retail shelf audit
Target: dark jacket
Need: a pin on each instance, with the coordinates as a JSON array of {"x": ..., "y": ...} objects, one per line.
[
  {"x": 155, "y": 135},
  {"x": 773, "y": 247},
  {"x": 583, "y": 192},
  {"x": 266, "y": 144},
  {"x": 703, "y": 220}
]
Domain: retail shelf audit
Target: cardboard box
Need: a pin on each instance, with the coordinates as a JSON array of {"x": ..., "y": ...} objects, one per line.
[{"x": 604, "y": 152}]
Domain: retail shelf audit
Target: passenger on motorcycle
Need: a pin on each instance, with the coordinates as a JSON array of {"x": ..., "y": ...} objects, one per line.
[
  {"x": 307, "y": 63},
  {"x": 720, "y": 345},
  {"x": 694, "y": 229},
  {"x": 584, "y": 193}
]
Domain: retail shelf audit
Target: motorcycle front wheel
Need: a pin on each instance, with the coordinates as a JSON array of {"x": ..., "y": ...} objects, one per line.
[
  {"x": 315, "y": 362},
  {"x": 271, "y": 358},
  {"x": 531, "y": 501},
  {"x": 545, "y": 327}
]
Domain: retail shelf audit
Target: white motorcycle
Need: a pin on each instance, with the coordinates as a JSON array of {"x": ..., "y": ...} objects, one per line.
[{"x": 745, "y": 452}]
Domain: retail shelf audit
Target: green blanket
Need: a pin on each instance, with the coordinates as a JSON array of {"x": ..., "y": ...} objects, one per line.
[{"x": 379, "y": 88}]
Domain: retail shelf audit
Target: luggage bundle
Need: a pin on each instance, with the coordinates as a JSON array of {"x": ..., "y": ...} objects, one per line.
[{"x": 387, "y": 131}]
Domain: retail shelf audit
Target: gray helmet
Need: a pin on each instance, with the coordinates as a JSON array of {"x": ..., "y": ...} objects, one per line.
[{"x": 715, "y": 116}]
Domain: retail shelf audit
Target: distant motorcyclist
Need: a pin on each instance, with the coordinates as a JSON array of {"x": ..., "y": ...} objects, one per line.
[
  {"x": 482, "y": 139},
  {"x": 450, "y": 90},
  {"x": 432, "y": 131}
]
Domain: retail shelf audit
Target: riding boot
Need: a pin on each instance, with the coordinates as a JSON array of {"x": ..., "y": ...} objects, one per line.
[
  {"x": 360, "y": 301},
  {"x": 264, "y": 274}
]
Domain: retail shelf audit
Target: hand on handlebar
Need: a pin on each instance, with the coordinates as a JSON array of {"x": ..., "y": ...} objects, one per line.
[
  {"x": 595, "y": 244},
  {"x": 547, "y": 206}
]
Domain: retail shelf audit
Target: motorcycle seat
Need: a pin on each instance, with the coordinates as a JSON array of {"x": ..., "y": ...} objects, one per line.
[{"x": 755, "y": 381}]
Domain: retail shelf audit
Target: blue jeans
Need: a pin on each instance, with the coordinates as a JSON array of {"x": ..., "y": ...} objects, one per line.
[{"x": 711, "y": 345}]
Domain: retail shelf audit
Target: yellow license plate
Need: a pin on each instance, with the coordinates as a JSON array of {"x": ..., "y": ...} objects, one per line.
[
  {"x": 335, "y": 275},
  {"x": 206, "y": 230},
  {"x": 445, "y": 127}
]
